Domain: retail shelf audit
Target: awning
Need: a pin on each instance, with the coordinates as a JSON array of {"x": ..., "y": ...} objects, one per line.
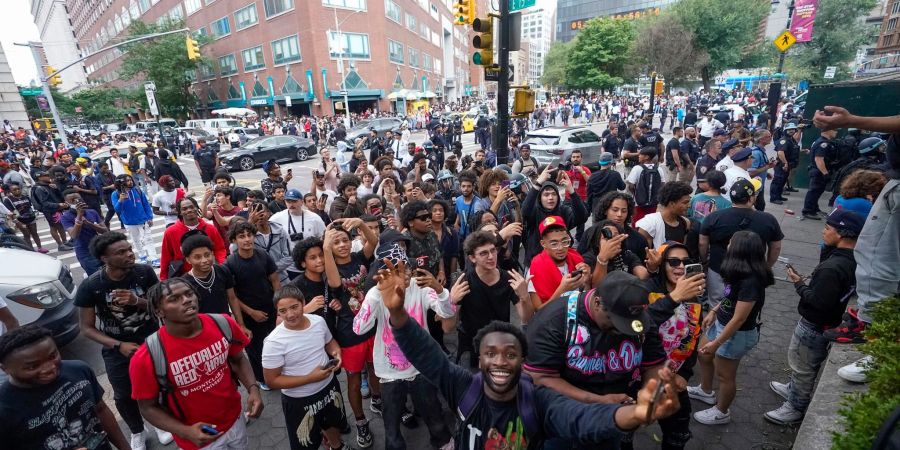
[
  {"x": 429, "y": 94},
  {"x": 338, "y": 94},
  {"x": 398, "y": 95}
]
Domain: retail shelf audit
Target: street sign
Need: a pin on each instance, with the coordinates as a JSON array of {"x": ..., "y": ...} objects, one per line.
[
  {"x": 150, "y": 91},
  {"x": 784, "y": 41},
  {"x": 830, "y": 71},
  {"x": 515, "y": 5},
  {"x": 491, "y": 75},
  {"x": 287, "y": 101}
]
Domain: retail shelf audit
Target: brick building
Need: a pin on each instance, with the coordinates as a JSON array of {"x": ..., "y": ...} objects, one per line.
[
  {"x": 284, "y": 56},
  {"x": 887, "y": 48}
]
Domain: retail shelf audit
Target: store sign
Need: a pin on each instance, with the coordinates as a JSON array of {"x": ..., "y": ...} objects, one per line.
[
  {"x": 629, "y": 15},
  {"x": 258, "y": 101}
]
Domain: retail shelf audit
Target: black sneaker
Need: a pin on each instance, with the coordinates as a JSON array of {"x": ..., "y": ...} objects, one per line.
[
  {"x": 376, "y": 406},
  {"x": 811, "y": 216},
  {"x": 409, "y": 420},
  {"x": 776, "y": 202},
  {"x": 363, "y": 435}
]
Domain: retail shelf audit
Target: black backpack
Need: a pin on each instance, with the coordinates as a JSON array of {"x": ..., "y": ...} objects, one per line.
[{"x": 646, "y": 192}]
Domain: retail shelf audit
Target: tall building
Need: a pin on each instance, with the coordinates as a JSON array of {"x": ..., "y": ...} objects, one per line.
[
  {"x": 571, "y": 15},
  {"x": 12, "y": 108},
  {"x": 60, "y": 44},
  {"x": 520, "y": 62},
  {"x": 285, "y": 56},
  {"x": 887, "y": 50},
  {"x": 537, "y": 29}
]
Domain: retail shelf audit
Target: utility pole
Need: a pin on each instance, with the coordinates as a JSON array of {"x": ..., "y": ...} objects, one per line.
[
  {"x": 775, "y": 88},
  {"x": 652, "y": 96},
  {"x": 502, "y": 139},
  {"x": 45, "y": 84}
]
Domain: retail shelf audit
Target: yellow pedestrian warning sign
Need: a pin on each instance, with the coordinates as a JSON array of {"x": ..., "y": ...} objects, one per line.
[{"x": 785, "y": 40}]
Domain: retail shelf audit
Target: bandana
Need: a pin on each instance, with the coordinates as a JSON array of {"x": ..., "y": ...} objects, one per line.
[{"x": 393, "y": 252}]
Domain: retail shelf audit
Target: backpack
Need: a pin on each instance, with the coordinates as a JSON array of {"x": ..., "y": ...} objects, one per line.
[
  {"x": 524, "y": 403},
  {"x": 134, "y": 163},
  {"x": 161, "y": 364},
  {"x": 646, "y": 193}
]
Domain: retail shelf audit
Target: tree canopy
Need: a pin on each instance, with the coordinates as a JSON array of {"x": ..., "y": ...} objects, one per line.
[
  {"x": 667, "y": 47},
  {"x": 599, "y": 53},
  {"x": 555, "y": 64}
]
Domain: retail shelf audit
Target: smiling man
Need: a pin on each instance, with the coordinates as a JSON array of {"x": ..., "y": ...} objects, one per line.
[{"x": 499, "y": 406}]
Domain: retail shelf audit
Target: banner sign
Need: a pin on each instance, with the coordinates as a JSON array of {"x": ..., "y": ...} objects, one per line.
[{"x": 803, "y": 18}]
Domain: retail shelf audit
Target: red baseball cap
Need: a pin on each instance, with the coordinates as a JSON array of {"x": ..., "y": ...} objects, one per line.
[{"x": 550, "y": 222}]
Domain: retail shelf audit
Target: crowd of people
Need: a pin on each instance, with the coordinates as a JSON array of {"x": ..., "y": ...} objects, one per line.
[{"x": 583, "y": 301}]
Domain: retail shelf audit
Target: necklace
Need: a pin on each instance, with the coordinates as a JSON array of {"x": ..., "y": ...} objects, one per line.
[{"x": 206, "y": 284}]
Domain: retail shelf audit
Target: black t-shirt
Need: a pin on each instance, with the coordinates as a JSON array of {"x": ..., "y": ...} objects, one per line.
[
  {"x": 312, "y": 289},
  {"x": 678, "y": 233},
  {"x": 129, "y": 323},
  {"x": 598, "y": 362},
  {"x": 613, "y": 144},
  {"x": 672, "y": 146},
  {"x": 722, "y": 224},
  {"x": 354, "y": 276},
  {"x": 206, "y": 157},
  {"x": 746, "y": 290},
  {"x": 485, "y": 303},
  {"x": 631, "y": 146},
  {"x": 60, "y": 415},
  {"x": 215, "y": 299},
  {"x": 251, "y": 279}
]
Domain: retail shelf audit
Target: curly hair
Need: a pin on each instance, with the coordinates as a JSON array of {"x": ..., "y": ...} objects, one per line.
[
  {"x": 21, "y": 337},
  {"x": 238, "y": 228},
  {"x": 607, "y": 200},
  {"x": 101, "y": 242},
  {"x": 497, "y": 326},
  {"x": 863, "y": 183},
  {"x": 478, "y": 239},
  {"x": 409, "y": 211},
  {"x": 488, "y": 178},
  {"x": 298, "y": 255},
  {"x": 347, "y": 180},
  {"x": 673, "y": 191}
]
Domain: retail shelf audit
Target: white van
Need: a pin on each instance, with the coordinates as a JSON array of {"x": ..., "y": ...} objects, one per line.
[
  {"x": 145, "y": 125},
  {"x": 213, "y": 126}
]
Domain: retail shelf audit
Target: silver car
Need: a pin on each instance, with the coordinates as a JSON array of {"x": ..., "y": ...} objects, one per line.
[{"x": 553, "y": 145}]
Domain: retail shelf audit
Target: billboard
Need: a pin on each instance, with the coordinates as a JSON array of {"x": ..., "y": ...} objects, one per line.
[{"x": 803, "y": 18}]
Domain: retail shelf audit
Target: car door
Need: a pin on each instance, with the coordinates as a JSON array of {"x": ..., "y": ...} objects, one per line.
[
  {"x": 284, "y": 148},
  {"x": 264, "y": 149},
  {"x": 590, "y": 147}
]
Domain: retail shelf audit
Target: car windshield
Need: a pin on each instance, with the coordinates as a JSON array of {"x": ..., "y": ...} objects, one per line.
[
  {"x": 255, "y": 142},
  {"x": 363, "y": 124},
  {"x": 542, "y": 140}
]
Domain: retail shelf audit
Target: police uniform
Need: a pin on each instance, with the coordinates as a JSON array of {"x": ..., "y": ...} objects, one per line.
[
  {"x": 791, "y": 150},
  {"x": 817, "y": 180},
  {"x": 483, "y": 132}
]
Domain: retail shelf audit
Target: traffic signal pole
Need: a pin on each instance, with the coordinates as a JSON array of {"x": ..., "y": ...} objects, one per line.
[
  {"x": 45, "y": 84},
  {"x": 775, "y": 88},
  {"x": 502, "y": 139}
]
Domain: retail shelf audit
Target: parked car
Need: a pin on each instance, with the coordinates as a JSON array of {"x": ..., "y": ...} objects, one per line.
[
  {"x": 553, "y": 145},
  {"x": 39, "y": 289},
  {"x": 261, "y": 149},
  {"x": 380, "y": 124}
]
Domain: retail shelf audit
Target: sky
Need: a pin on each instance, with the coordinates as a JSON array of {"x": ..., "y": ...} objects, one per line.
[{"x": 18, "y": 26}]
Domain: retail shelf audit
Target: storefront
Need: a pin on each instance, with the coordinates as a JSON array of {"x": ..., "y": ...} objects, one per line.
[
  {"x": 293, "y": 100},
  {"x": 357, "y": 93}
]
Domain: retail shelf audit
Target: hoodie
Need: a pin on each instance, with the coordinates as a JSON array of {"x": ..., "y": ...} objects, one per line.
[
  {"x": 135, "y": 209},
  {"x": 165, "y": 166},
  {"x": 340, "y": 208},
  {"x": 533, "y": 213},
  {"x": 601, "y": 182},
  {"x": 171, "y": 247}
]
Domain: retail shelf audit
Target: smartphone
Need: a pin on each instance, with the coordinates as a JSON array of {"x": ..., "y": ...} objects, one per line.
[
  {"x": 323, "y": 198},
  {"x": 576, "y": 273},
  {"x": 660, "y": 388},
  {"x": 209, "y": 430},
  {"x": 692, "y": 269},
  {"x": 332, "y": 363},
  {"x": 290, "y": 170},
  {"x": 606, "y": 233},
  {"x": 785, "y": 261},
  {"x": 504, "y": 184}
]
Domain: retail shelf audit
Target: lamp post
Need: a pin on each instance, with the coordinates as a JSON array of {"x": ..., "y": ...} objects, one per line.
[{"x": 337, "y": 26}]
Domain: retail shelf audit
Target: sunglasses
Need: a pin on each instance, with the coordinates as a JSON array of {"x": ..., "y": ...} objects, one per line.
[
  {"x": 677, "y": 262},
  {"x": 424, "y": 217}
]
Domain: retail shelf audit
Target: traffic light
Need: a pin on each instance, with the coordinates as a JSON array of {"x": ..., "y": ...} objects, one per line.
[
  {"x": 193, "y": 48},
  {"x": 523, "y": 102},
  {"x": 658, "y": 87},
  {"x": 484, "y": 42},
  {"x": 465, "y": 11},
  {"x": 52, "y": 78}
]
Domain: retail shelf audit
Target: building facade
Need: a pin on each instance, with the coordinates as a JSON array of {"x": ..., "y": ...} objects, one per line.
[
  {"x": 537, "y": 28},
  {"x": 12, "y": 108},
  {"x": 60, "y": 44},
  {"x": 887, "y": 49},
  {"x": 299, "y": 56},
  {"x": 571, "y": 15}
]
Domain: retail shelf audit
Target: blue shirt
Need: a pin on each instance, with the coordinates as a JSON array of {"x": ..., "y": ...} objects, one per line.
[
  {"x": 759, "y": 160},
  {"x": 466, "y": 212},
  {"x": 83, "y": 239},
  {"x": 859, "y": 205}
]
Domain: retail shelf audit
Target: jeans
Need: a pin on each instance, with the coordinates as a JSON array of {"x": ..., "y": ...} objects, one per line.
[
  {"x": 816, "y": 189},
  {"x": 778, "y": 182},
  {"x": 676, "y": 428},
  {"x": 806, "y": 353},
  {"x": 88, "y": 263},
  {"x": 424, "y": 396},
  {"x": 117, "y": 372},
  {"x": 143, "y": 241}
]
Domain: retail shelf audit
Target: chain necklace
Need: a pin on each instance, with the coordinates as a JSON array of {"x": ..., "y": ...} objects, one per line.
[{"x": 208, "y": 284}]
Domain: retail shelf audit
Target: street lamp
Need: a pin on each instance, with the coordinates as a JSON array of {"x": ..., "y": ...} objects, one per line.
[{"x": 337, "y": 26}]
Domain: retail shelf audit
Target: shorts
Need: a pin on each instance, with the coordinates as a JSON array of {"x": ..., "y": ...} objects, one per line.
[
  {"x": 53, "y": 218},
  {"x": 738, "y": 345},
  {"x": 355, "y": 357},
  {"x": 206, "y": 175},
  {"x": 306, "y": 417}
]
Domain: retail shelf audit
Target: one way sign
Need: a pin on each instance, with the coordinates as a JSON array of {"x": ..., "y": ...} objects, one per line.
[{"x": 150, "y": 90}]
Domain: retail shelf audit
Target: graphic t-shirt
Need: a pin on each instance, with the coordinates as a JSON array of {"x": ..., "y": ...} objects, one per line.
[
  {"x": 298, "y": 353},
  {"x": 425, "y": 252},
  {"x": 199, "y": 374},
  {"x": 127, "y": 323},
  {"x": 213, "y": 298},
  {"x": 585, "y": 356},
  {"x": 466, "y": 212},
  {"x": 60, "y": 415},
  {"x": 702, "y": 205},
  {"x": 354, "y": 275},
  {"x": 251, "y": 279},
  {"x": 748, "y": 290}
]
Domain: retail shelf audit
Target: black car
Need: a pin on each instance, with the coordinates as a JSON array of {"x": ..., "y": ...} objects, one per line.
[
  {"x": 261, "y": 149},
  {"x": 380, "y": 124}
]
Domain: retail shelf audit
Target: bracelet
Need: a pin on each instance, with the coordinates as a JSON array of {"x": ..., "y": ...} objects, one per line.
[
  {"x": 601, "y": 262},
  {"x": 256, "y": 385}
]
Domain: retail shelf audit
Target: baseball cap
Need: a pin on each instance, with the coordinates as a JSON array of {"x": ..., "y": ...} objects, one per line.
[
  {"x": 790, "y": 126},
  {"x": 428, "y": 177},
  {"x": 741, "y": 155},
  {"x": 606, "y": 158},
  {"x": 625, "y": 300},
  {"x": 293, "y": 194},
  {"x": 743, "y": 189},
  {"x": 846, "y": 221},
  {"x": 719, "y": 132},
  {"x": 551, "y": 222},
  {"x": 444, "y": 175},
  {"x": 729, "y": 144}
]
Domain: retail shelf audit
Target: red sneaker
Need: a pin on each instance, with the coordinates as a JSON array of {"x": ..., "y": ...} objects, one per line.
[{"x": 850, "y": 331}]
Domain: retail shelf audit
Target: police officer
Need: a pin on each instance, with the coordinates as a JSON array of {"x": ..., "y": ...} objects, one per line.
[
  {"x": 483, "y": 132},
  {"x": 788, "y": 151},
  {"x": 440, "y": 138},
  {"x": 822, "y": 156},
  {"x": 374, "y": 145},
  {"x": 457, "y": 128},
  {"x": 871, "y": 157}
]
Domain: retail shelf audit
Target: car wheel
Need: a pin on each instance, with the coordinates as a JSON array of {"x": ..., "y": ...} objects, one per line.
[
  {"x": 246, "y": 163},
  {"x": 302, "y": 154}
]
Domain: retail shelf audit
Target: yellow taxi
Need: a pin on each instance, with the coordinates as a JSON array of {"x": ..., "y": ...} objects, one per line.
[{"x": 469, "y": 119}]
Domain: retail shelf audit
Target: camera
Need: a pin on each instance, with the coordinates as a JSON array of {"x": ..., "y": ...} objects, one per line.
[
  {"x": 566, "y": 166},
  {"x": 296, "y": 237}
]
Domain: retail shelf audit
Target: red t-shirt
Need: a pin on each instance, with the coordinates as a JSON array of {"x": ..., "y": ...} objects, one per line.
[
  {"x": 199, "y": 373},
  {"x": 579, "y": 181}
]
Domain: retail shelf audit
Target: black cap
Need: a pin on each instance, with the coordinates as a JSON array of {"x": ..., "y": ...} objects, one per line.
[
  {"x": 729, "y": 144},
  {"x": 626, "y": 299},
  {"x": 847, "y": 221},
  {"x": 741, "y": 155}
]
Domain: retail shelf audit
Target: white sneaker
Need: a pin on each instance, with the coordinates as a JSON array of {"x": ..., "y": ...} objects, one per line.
[
  {"x": 163, "y": 436},
  {"x": 856, "y": 372},
  {"x": 782, "y": 389},
  {"x": 138, "y": 441},
  {"x": 712, "y": 416},
  {"x": 784, "y": 415},
  {"x": 697, "y": 393}
]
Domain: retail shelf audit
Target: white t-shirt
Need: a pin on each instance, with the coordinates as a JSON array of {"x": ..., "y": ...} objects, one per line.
[
  {"x": 298, "y": 353},
  {"x": 635, "y": 175},
  {"x": 563, "y": 269},
  {"x": 309, "y": 222},
  {"x": 733, "y": 174},
  {"x": 165, "y": 201},
  {"x": 708, "y": 127}
]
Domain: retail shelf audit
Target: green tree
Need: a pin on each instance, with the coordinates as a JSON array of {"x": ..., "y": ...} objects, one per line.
[
  {"x": 63, "y": 105},
  {"x": 105, "y": 104},
  {"x": 665, "y": 46},
  {"x": 164, "y": 61},
  {"x": 555, "y": 64},
  {"x": 599, "y": 53},
  {"x": 726, "y": 29},
  {"x": 837, "y": 33}
]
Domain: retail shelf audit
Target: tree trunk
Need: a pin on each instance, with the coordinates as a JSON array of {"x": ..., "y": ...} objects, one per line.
[{"x": 704, "y": 74}]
